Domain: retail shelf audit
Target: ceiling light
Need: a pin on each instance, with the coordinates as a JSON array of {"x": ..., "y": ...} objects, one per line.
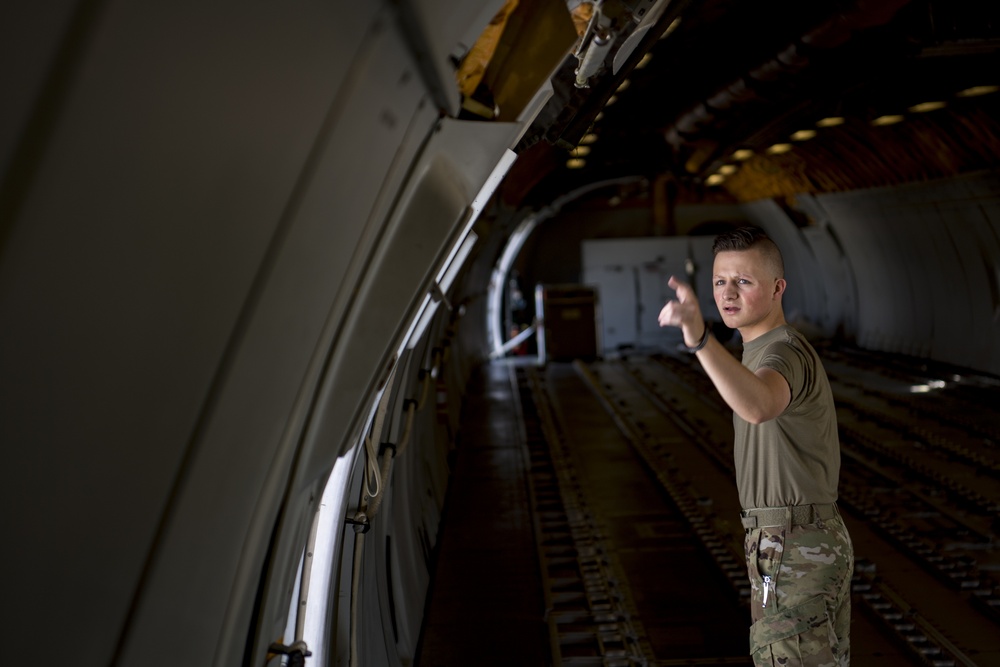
[
  {"x": 924, "y": 388},
  {"x": 830, "y": 121},
  {"x": 580, "y": 151},
  {"x": 715, "y": 179},
  {"x": 743, "y": 154},
  {"x": 575, "y": 163},
  {"x": 778, "y": 149},
  {"x": 623, "y": 85},
  {"x": 727, "y": 169},
  {"x": 890, "y": 119},
  {"x": 588, "y": 138},
  {"x": 645, "y": 61},
  {"x": 977, "y": 90},
  {"x": 927, "y": 106},
  {"x": 611, "y": 100},
  {"x": 599, "y": 116},
  {"x": 670, "y": 28},
  {"x": 802, "y": 135}
]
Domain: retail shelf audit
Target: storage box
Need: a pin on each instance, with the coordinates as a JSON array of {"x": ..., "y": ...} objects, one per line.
[{"x": 567, "y": 316}]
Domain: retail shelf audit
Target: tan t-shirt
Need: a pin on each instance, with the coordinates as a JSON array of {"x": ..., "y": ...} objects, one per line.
[{"x": 793, "y": 459}]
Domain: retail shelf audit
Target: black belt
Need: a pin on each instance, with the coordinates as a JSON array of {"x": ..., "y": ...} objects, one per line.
[{"x": 769, "y": 517}]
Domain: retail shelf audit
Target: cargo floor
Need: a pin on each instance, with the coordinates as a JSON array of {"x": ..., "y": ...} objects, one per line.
[{"x": 500, "y": 593}]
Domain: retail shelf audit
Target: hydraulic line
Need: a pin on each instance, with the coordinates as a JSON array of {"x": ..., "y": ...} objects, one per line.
[
  {"x": 307, "y": 562},
  {"x": 361, "y": 517},
  {"x": 371, "y": 502}
]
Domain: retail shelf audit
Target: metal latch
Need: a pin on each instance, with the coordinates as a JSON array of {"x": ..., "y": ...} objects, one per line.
[{"x": 297, "y": 652}]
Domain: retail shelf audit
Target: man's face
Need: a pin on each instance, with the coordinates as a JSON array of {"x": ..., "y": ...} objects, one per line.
[{"x": 747, "y": 292}]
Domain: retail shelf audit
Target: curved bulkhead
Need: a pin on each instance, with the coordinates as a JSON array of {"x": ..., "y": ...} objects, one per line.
[{"x": 224, "y": 228}]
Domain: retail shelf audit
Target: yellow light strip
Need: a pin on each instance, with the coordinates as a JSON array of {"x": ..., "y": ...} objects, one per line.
[
  {"x": 831, "y": 121},
  {"x": 927, "y": 106},
  {"x": 889, "y": 119},
  {"x": 977, "y": 90},
  {"x": 670, "y": 28}
]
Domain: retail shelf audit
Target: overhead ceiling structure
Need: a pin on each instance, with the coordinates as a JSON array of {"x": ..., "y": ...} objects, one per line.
[{"x": 744, "y": 100}]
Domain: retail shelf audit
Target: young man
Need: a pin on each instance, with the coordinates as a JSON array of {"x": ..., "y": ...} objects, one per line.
[{"x": 799, "y": 555}]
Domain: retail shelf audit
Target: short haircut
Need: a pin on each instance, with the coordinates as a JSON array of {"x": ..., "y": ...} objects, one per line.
[{"x": 745, "y": 238}]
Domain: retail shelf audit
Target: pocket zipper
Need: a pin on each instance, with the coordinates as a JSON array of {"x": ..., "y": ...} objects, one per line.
[{"x": 767, "y": 585}]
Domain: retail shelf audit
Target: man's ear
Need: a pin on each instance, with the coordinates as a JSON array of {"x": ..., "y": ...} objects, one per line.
[{"x": 779, "y": 288}]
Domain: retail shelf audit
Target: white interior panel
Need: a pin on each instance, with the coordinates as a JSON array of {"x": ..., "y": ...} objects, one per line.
[
  {"x": 32, "y": 67},
  {"x": 652, "y": 291},
  {"x": 616, "y": 304},
  {"x": 804, "y": 298},
  {"x": 924, "y": 259},
  {"x": 977, "y": 245},
  {"x": 165, "y": 177},
  {"x": 937, "y": 266},
  {"x": 250, "y": 440},
  {"x": 632, "y": 276},
  {"x": 857, "y": 236},
  {"x": 836, "y": 279},
  {"x": 429, "y": 213},
  {"x": 392, "y": 264}
]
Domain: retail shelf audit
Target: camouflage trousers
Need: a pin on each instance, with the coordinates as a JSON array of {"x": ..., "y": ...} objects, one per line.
[{"x": 800, "y": 602}]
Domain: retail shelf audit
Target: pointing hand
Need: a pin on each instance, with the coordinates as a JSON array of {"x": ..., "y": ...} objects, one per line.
[{"x": 684, "y": 312}]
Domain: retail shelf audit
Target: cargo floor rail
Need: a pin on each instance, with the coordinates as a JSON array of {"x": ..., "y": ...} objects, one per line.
[{"x": 586, "y": 610}]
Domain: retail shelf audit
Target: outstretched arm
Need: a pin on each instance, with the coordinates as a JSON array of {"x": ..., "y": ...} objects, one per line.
[{"x": 756, "y": 397}]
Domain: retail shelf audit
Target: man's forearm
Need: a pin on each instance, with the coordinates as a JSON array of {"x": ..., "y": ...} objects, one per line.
[{"x": 755, "y": 398}]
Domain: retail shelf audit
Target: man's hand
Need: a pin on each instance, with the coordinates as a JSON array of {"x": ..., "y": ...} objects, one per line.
[
  {"x": 756, "y": 397},
  {"x": 684, "y": 312}
]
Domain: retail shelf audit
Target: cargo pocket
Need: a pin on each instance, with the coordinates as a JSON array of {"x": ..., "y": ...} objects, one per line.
[
  {"x": 793, "y": 637},
  {"x": 764, "y": 551}
]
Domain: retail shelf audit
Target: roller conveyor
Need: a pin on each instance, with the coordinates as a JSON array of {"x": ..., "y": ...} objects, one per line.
[{"x": 639, "y": 546}]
